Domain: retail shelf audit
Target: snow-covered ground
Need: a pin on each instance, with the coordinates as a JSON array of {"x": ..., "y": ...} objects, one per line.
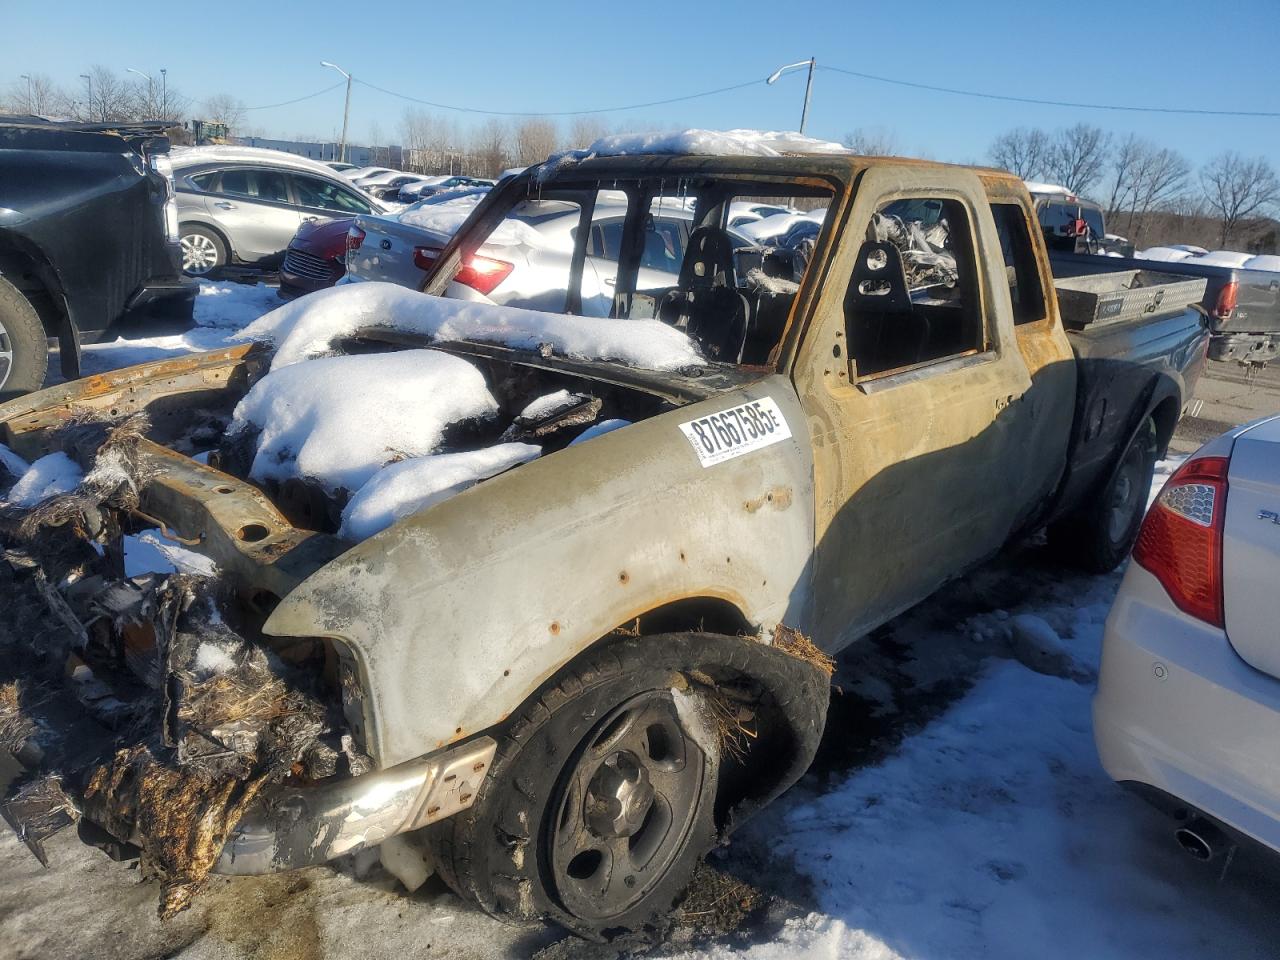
[{"x": 957, "y": 810}]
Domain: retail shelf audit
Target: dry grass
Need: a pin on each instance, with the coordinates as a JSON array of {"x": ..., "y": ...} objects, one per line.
[{"x": 791, "y": 641}]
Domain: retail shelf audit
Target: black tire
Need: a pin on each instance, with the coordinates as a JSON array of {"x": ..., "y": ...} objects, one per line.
[
  {"x": 1100, "y": 535},
  {"x": 203, "y": 250},
  {"x": 512, "y": 852},
  {"x": 24, "y": 348}
]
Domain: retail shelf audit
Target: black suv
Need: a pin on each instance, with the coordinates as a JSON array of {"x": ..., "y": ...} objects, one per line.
[{"x": 88, "y": 233}]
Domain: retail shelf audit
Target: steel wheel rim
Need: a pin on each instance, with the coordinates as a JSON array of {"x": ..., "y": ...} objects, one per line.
[
  {"x": 625, "y": 807},
  {"x": 6, "y": 355},
  {"x": 199, "y": 254}
]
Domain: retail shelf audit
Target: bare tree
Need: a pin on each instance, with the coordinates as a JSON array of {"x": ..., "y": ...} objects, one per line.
[
  {"x": 225, "y": 108},
  {"x": 1147, "y": 177},
  {"x": 35, "y": 93},
  {"x": 586, "y": 130},
  {"x": 536, "y": 139},
  {"x": 1078, "y": 156},
  {"x": 1023, "y": 152},
  {"x": 489, "y": 148},
  {"x": 1238, "y": 188},
  {"x": 870, "y": 142}
]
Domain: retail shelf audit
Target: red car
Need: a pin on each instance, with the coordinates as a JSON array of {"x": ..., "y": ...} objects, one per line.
[{"x": 316, "y": 257}]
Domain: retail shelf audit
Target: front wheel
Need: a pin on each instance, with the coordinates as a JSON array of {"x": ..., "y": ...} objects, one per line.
[
  {"x": 600, "y": 801},
  {"x": 1100, "y": 535},
  {"x": 202, "y": 250},
  {"x": 24, "y": 349}
]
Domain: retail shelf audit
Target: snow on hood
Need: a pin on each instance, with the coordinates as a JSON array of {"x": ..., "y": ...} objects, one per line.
[
  {"x": 707, "y": 143},
  {"x": 309, "y": 326},
  {"x": 779, "y": 223},
  {"x": 1166, "y": 254},
  {"x": 421, "y": 482},
  {"x": 1225, "y": 258},
  {"x": 338, "y": 420}
]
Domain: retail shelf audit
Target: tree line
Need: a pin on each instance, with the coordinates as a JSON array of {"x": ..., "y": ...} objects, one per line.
[
  {"x": 1144, "y": 186},
  {"x": 104, "y": 95}
]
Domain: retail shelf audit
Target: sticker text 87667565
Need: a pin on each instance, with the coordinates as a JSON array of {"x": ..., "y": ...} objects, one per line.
[{"x": 731, "y": 433}]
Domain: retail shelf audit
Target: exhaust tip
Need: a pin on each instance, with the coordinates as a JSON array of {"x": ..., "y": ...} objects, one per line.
[{"x": 1200, "y": 839}]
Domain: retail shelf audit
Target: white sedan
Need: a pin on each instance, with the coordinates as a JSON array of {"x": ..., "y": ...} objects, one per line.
[
  {"x": 526, "y": 261},
  {"x": 1188, "y": 703}
]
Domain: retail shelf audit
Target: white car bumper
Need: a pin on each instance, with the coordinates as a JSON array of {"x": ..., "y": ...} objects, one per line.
[{"x": 1178, "y": 710}]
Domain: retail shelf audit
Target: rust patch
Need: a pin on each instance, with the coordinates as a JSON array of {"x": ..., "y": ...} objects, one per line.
[{"x": 779, "y": 498}]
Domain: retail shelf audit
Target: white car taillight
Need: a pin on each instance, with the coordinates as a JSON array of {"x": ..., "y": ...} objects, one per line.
[{"x": 1181, "y": 538}]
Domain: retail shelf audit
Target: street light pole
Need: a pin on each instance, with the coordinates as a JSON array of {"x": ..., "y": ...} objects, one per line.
[
  {"x": 164, "y": 94},
  {"x": 346, "y": 107},
  {"x": 31, "y": 106},
  {"x": 151, "y": 95},
  {"x": 808, "y": 87},
  {"x": 89, "y": 80}
]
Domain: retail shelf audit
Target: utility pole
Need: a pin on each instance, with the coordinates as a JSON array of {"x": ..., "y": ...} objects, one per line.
[
  {"x": 346, "y": 107},
  {"x": 89, "y": 80},
  {"x": 164, "y": 94},
  {"x": 31, "y": 105},
  {"x": 808, "y": 87}
]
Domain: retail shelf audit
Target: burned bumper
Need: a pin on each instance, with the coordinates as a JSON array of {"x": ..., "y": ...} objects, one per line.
[{"x": 300, "y": 827}]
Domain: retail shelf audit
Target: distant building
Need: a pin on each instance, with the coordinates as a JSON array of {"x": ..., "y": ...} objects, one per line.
[{"x": 393, "y": 156}]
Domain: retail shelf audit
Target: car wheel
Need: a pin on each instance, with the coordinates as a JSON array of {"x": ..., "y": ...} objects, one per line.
[
  {"x": 202, "y": 250},
  {"x": 24, "y": 349},
  {"x": 600, "y": 801},
  {"x": 1099, "y": 536}
]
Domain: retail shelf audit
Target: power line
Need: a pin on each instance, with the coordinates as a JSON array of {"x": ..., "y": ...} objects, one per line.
[
  {"x": 559, "y": 113},
  {"x": 1052, "y": 103},
  {"x": 954, "y": 91},
  {"x": 285, "y": 103}
]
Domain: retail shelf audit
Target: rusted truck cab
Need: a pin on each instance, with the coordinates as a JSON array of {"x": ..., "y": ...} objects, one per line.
[{"x": 579, "y": 673}]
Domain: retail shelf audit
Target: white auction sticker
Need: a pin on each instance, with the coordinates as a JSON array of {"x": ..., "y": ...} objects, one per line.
[{"x": 731, "y": 433}]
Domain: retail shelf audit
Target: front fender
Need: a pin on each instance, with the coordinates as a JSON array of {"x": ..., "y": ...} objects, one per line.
[{"x": 456, "y": 615}]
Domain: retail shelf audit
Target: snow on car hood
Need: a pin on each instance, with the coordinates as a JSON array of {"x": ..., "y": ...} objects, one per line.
[{"x": 308, "y": 327}]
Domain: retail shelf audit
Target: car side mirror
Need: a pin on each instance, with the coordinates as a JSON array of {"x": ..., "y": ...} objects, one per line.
[{"x": 879, "y": 280}]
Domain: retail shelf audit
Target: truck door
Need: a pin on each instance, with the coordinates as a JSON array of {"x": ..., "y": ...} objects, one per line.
[{"x": 911, "y": 386}]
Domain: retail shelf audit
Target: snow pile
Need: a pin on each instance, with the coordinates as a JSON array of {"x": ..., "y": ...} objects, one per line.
[
  {"x": 707, "y": 143},
  {"x": 337, "y": 420},
  {"x": 412, "y": 485},
  {"x": 47, "y": 477},
  {"x": 220, "y": 307},
  {"x": 232, "y": 305},
  {"x": 309, "y": 326}
]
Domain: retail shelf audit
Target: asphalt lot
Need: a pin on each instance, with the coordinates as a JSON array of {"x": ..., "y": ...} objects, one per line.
[{"x": 1228, "y": 398}]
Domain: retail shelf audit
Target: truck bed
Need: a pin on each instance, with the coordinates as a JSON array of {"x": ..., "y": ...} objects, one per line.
[{"x": 1258, "y": 292}]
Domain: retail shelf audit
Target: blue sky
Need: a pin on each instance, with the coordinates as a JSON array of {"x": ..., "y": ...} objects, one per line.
[{"x": 563, "y": 55}]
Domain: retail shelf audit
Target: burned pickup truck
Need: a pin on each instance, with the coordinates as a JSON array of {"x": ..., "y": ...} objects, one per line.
[{"x": 544, "y": 599}]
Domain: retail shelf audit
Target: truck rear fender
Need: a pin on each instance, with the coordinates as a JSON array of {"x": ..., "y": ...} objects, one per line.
[{"x": 453, "y": 617}]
